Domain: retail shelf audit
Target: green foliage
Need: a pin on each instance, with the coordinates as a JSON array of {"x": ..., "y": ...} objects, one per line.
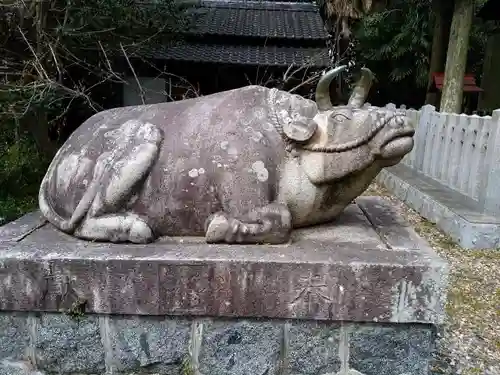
[
  {"x": 396, "y": 44},
  {"x": 477, "y": 45},
  {"x": 399, "y": 40},
  {"x": 55, "y": 56},
  {"x": 21, "y": 169}
]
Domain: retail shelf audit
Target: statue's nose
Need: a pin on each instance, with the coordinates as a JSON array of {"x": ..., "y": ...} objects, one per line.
[{"x": 398, "y": 121}]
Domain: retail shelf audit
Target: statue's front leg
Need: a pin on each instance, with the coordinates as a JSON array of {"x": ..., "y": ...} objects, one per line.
[{"x": 271, "y": 224}]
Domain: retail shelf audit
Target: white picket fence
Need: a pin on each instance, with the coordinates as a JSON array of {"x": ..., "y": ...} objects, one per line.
[{"x": 459, "y": 151}]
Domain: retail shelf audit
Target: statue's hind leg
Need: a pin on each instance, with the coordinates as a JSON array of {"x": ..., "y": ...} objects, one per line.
[{"x": 119, "y": 175}]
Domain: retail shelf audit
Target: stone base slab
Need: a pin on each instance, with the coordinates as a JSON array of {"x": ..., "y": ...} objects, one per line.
[
  {"x": 456, "y": 215},
  {"x": 368, "y": 266},
  {"x": 361, "y": 295}
]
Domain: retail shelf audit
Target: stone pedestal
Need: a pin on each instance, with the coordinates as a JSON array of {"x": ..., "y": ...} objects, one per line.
[{"x": 362, "y": 295}]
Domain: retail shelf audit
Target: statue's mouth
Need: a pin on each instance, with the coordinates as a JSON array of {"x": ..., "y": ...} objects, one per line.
[
  {"x": 399, "y": 134},
  {"x": 398, "y": 144}
]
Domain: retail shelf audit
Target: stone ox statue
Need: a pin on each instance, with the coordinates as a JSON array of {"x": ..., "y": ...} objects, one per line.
[{"x": 240, "y": 166}]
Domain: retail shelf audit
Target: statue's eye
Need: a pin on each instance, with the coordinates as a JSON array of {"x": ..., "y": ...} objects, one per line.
[{"x": 340, "y": 117}]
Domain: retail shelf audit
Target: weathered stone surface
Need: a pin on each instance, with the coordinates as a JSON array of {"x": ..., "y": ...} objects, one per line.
[
  {"x": 395, "y": 231},
  {"x": 177, "y": 345},
  {"x": 14, "y": 336},
  {"x": 14, "y": 342},
  {"x": 151, "y": 345},
  {"x": 64, "y": 345},
  {"x": 16, "y": 230},
  {"x": 240, "y": 348},
  {"x": 455, "y": 214},
  {"x": 368, "y": 269},
  {"x": 350, "y": 270},
  {"x": 313, "y": 348},
  {"x": 241, "y": 166},
  {"x": 390, "y": 349},
  {"x": 9, "y": 367}
]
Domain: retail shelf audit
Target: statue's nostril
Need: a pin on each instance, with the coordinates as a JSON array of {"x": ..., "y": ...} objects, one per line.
[{"x": 395, "y": 122}]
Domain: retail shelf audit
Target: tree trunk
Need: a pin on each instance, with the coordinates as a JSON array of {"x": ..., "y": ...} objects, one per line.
[
  {"x": 489, "y": 99},
  {"x": 37, "y": 122},
  {"x": 441, "y": 35},
  {"x": 456, "y": 60}
]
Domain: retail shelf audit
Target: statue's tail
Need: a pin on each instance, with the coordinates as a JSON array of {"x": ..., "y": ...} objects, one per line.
[
  {"x": 47, "y": 209},
  {"x": 44, "y": 203}
]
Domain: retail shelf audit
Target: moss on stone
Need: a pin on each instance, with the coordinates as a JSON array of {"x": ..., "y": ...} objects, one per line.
[
  {"x": 77, "y": 310},
  {"x": 187, "y": 367}
]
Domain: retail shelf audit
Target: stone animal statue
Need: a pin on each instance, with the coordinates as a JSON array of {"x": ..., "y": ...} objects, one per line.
[{"x": 241, "y": 166}]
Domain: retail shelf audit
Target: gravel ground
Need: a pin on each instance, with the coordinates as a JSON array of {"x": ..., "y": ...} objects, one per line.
[{"x": 469, "y": 341}]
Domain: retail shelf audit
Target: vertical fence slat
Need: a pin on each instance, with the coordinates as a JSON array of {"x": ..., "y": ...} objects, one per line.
[
  {"x": 480, "y": 127},
  {"x": 410, "y": 159},
  {"x": 455, "y": 149},
  {"x": 460, "y": 162},
  {"x": 424, "y": 124},
  {"x": 416, "y": 121},
  {"x": 431, "y": 151},
  {"x": 429, "y": 139},
  {"x": 465, "y": 172},
  {"x": 437, "y": 146},
  {"x": 490, "y": 196},
  {"x": 447, "y": 146}
]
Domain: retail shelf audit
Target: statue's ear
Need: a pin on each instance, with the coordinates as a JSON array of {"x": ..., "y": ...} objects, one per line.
[
  {"x": 296, "y": 116},
  {"x": 300, "y": 129}
]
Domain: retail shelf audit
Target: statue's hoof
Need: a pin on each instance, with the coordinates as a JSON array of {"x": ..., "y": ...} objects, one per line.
[
  {"x": 217, "y": 229},
  {"x": 140, "y": 232}
]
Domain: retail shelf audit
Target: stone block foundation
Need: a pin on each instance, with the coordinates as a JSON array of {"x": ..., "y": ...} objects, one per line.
[{"x": 363, "y": 295}]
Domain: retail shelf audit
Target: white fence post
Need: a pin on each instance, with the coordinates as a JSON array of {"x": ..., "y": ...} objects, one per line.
[
  {"x": 490, "y": 193},
  {"x": 422, "y": 128}
]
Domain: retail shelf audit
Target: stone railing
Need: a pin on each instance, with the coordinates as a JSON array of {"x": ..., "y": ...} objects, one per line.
[
  {"x": 460, "y": 152},
  {"x": 452, "y": 175}
]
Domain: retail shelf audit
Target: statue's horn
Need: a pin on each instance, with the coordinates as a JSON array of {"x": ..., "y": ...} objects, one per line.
[
  {"x": 360, "y": 91},
  {"x": 323, "y": 88}
]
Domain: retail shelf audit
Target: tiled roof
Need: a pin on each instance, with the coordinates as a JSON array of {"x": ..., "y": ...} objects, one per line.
[
  {"x": 304, "y": 5},
  {"x": 251, "y": 32},
  {"x": 297, "y": 20},
  {"x": 246, "y": 55}
]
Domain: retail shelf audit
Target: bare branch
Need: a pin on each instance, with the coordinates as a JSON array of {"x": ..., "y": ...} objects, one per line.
[
  {"x": 190, "y": 89},
  {"x": 56, "y": 62},
  {"x": 38, "y": 65},
  {"x": 108, "y": 63},
  {"x": 141, "y": 91},
  {"x": 311, "y": 79}
]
